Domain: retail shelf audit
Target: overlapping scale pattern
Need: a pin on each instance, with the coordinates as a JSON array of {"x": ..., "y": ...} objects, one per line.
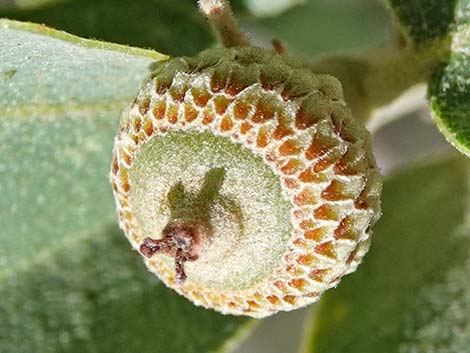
[{"x": 300, "y": 126}]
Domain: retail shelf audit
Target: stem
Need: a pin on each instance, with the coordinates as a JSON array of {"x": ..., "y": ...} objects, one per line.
[
  {"x": 182, "y": 240},
  {"x": 223, "y": 22}
]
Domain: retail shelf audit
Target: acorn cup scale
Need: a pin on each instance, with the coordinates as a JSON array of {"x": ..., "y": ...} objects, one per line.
[{"x": 243, "y": 180}]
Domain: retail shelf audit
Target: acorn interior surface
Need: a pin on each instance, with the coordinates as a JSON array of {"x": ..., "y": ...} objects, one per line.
[{"x": 258, "y": 160}]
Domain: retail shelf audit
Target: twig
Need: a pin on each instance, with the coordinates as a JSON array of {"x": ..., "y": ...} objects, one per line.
[{"x": 223, "y": 22}]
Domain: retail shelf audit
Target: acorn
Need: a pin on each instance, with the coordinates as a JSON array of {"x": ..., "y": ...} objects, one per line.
[{"x": 243, "y": 180}]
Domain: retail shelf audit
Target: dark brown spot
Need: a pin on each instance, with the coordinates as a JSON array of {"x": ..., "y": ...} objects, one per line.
[{"x": 180, "y": 241}]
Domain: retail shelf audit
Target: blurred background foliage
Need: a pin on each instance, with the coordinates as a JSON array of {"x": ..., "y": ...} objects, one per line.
[{"x": 176, "y": 28}]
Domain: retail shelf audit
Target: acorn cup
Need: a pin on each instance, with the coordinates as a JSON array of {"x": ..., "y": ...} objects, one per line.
[{"x": 242, "y": 178}]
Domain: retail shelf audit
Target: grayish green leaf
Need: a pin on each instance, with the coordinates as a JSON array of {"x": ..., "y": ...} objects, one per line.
[
  {"x": 91, "y": 293},
  {"x": 60, "y": 101},
  {"x": 448, "y": 22},
  {"x": 68, "y": 280},
  {"x": 449, "y": 93},
  {"x": 172, "y": 26},
  {"x": 412, "y": 293},
  {"x": 427, "y": 20}
]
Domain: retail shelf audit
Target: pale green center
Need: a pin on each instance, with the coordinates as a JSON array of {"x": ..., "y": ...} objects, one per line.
[{"x": 206, "y": 178}]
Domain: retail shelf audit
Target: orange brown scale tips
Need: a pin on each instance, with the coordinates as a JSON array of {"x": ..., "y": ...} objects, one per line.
[
  {"x": 263, "y": 138},
  {"x": 282, "y": 131},
  {"x": 245, "y": 127},
  {"x": 144, "y": 106},
  {"x": 273, "y": 299},
  {"x": 178, "y": 93},
  {"x": 335, "y": 192},
  {"x": 190, "y": 113},
  {"x": 316, "y": 234},
  {"x": 362, "y": 201},
  {"x": 241, "y": 110},
  {"x": 318, "y": 274},
  {"x": 159, "y": 110},
  {"x": 137, "y": 124},
  {"x": 221, "y": 104},
  {"x": 234, "y": 88},
  {"x": 305, "y": 260},
  {"x": 309, "y": 175},
  {"x": 307, "y": 224},
  {"x": 326, "y": 249},
  {"x": 114, "y": 166},
  {"x": 289, "y": 148},
  {"x": 303, "y": 120},
  {"x": 148, "y": 127},
  {"x": 217, "y": 85},
  {"x": 226, "y": 124},
  {"x": 292, "y": 166},
  {"x": 172, "y": 114},
  {"x": 305, "y": 197},
  {"x": 233, "y": 154},
  {"x": 345, "y": 229},
  {"x": 201, "y": 97},
  {"x": 252, "y": 304},
  {"x": 322, "y": 164},
  {"x": 289, "y": 299},
  {"x": 208, "y": 118},
  {"x": 264, "y": 111},
  {"x": 298, "y": 283},
  {"x": 291, "y": 183},
  {"x": 325, "y": 212}
]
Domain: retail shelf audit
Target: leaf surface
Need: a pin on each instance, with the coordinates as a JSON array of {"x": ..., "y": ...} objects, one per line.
[
  {"x": 448, "y": 23},
  {"x": 172, "y": 26},
  {"x": 412, "y": 293},
  {"x": 427, "y": 20},
  {"x": 449, "y": 92},
  {"x": 69, "y": 281}
]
